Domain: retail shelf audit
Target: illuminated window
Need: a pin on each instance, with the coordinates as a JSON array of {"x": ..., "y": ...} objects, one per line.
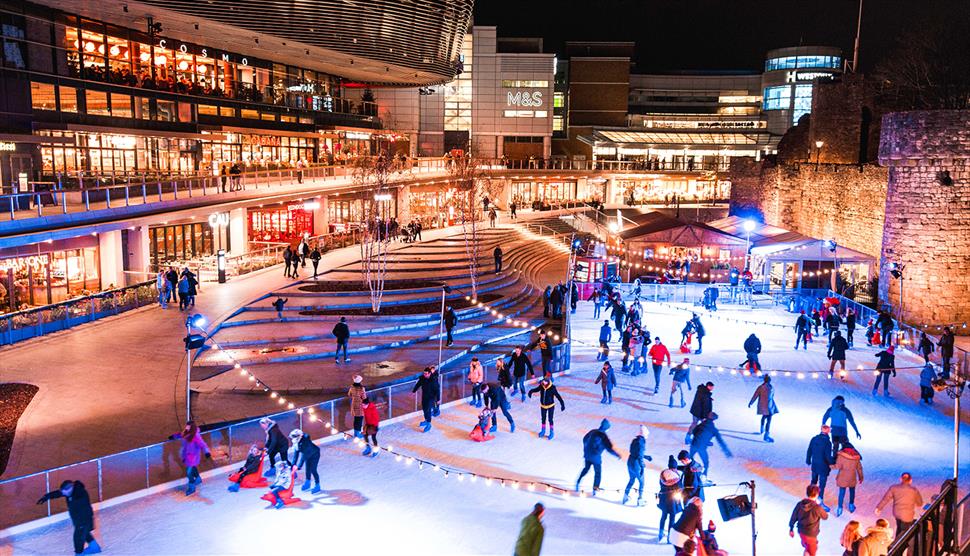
[
  {"x": 557, "y": 124},
  {"x": 558, "y": 99},
  {"x": 777, "y": 98},
  {"x": 120, "y": 105},
  {"x": 208, "y": 110},
  {"x": 520, "y": 114},
  {"x": 517, "y": 83},
  {"x": 458, "y": 93},
  {"x": 803, "y": 101},
  {"x": 42, "y": 96},
  {"x": 68, "y": 99},
  {"x": 97, "y": 102},
  {"x": 247, "y": 113},
  {"x": 541, "y": 114},
  {"x": 792, "y": 62}
]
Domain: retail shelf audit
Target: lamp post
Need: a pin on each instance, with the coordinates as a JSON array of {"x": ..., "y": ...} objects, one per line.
[
  {"x": 192, "y": 341},
  {"x": 896, "y": 270},
  {"x": 818, "y": 152},
  {"x": 749, "y": 226}
]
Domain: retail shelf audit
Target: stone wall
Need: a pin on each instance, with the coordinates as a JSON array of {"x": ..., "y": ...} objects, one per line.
[
  {"x": 927, "y": 226},
  {"x": 830, "y": 201}
]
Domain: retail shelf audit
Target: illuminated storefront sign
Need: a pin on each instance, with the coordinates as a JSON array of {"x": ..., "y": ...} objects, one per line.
[
  {"x": 7, "y": 146},
  {"x": 708, "y": 124},
  {"x": 525, "y": 98},
  {"x": 21, "y": 264},
  {"x": 200, "y": 51},
  {"x": 793, "y": 76},
  {"x": 310, "y": 205},
  {"x": 219, "y": 219}
]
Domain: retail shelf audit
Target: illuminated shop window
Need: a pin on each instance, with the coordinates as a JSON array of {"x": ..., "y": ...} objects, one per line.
[{"x": 777, "y": 98}]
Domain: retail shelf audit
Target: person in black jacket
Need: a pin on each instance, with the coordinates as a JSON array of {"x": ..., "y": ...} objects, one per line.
[
  {"x": 451, "y": 319},
  {"x": 545, "y": 352},
  {"x": 832, "y": 322},
  {"x": 819, "y": 458},
  {"x": 850, "y": 319},
  {"x": 803, "y": 326},
  {"x": 342, "y": 332},
  {"x": 82, "y": 515},
  {"x": 695, "y": 323},
  {"x": 173, "y": 279},
  {"x": 704, "y": 433},
  {"x": 691, "y": 520},
  {"x": 278, "y": 305},
  {"x": 702, "y": 405},
  {"x": 497, "y": 254},
  {"x": 276, "y": 444},
  {"x": 315, "y": 257},
  {"x": 520, "y": 363},
  {"x": 635, "y": 464},
  {"x": 548, "y": 394},
  {"x": 886, "y": 365},
  {"x": 925, "y": 347},
  {"x": 250, "y": 466},
  {"x": 594, "y": 444},
  {"x": 546, "y": 295},
  {"x": 430, "y": 387},
  {"x": 837, "y": 347},
  {"x": 555, "y": 299},
  {"x": 494, "y": 398},
  {"x": 752, "y": 347},
  {"x": 946, "y": 349},
  {"x": 885, "y": 324},
  {"x": 306, "y": 453},
  {"x": 691, "y": 476},
  {"x": 573, "y": 297}
]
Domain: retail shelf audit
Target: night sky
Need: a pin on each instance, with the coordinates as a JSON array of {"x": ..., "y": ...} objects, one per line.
[{"x": 708, "y": 34}]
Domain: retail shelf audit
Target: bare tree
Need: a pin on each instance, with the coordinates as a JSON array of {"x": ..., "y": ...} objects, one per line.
[
  {"x": 375, "y": 173},
  {"x": 471, "y": 182}
]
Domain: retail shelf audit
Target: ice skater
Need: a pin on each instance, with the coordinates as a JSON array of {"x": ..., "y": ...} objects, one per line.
[
  {"x": 658, "y": 353},
  {"x": 670, "y": 497},
  {"x": 306, "y": 453},
  {"x": 81, "y": 513},
  {"x": 704, "y": 434},
  {"x": 848, "y": 462},
  {"x": 372, "y": 422},
  {"x": 607, "y": 380},
  {"x": 606, "y": 334},
  {"x": 752, "y": 347},
  {"x": 357, "y": 393},
  {"x": 690, "y": 472},
  {"x": 764, "y": 394},
  {"x": 695, "y": 322},
  {"x": 841, "y": 417},
  {"x": 283, "y": 481},
  {"x": 681, "y": 374},
  {"x": 636, "y": 463},
  {"x": 803, "y": 329},
  {"x": 520, "y": 363},
  {"x": 548, "y": 394},
  {"x": 807, "y": 515},
  {"x": 193, "y": 447},
  {"x": 691, "y": 520},
  {"x": 926, "y": 377},
  {"x": 476, "y": 375},
  {"x": 836, "y": 352},
  {"x": 276, "y": 444},
  {"x": 820, "y": 460},
  {"x": 595, "y": 442},
  {"x": 495, "y": 400},
  {"x": 702, "y": 405},
  {"x": 429, "y": 386},
  {"x": 885, "y": 366}
]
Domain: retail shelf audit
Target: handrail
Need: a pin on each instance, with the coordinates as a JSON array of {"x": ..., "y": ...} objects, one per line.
[{"x": 20, "y": 508}]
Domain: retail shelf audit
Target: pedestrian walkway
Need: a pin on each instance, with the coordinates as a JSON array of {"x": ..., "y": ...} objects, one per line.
[
  {"x": 897, "y": 434},
  {"x": 119, "y": 383}
]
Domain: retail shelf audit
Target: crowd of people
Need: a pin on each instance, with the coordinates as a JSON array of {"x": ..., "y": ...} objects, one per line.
[{"x": 173, "y": 285}]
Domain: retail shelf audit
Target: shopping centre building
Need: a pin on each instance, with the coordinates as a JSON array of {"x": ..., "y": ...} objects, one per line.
[{"x": 117, "y": 114}]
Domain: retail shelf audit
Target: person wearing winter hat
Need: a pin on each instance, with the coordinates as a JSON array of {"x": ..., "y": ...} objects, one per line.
[
  {"x": 681, "y": 374},
  {"x": 529, "y": 542},
  {"x": 306, "y": 453},
  {"x": 710, "y": 542},
  {"x": 803, "y": 327},
  {"x": 607, "y": 380},
  {"x": 670, "y": 498},
  {"x": 691, "y": 521},
  {"x": 81, "y": 514},
  {"x": 276, "y": 444},
  {"x": 357, "y": 393},
  {"x": 595, "y": 442},
  {"x": 636, "y": 463},
  {"x": 193, "y": 446}
]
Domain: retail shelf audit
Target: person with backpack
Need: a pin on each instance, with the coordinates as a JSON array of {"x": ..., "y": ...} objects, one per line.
[{"x": 595, "y": 442}]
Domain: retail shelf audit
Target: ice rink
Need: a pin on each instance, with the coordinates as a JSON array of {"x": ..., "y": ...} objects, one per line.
[{"x": 383, "y": 506}]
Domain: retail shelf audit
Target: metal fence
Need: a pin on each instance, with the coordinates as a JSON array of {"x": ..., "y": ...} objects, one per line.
[
  {"x": 29, "y": 323},
  {"x": 149, "y": 466}
]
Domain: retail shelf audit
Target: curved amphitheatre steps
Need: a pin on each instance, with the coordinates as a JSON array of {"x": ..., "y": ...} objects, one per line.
[{"x": 295, "y": 356}]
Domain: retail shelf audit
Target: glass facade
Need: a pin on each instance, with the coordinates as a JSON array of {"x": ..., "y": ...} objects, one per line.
[
  {"x": 458, "y": 93},
  {"x": 800, "y": 62},
  {"x": 777, "y": 98},
  {"x": 49, "y": 277},
  {"x": 286, "y": 224},
  {"x": 803, "y": 101},
  {"x": 179, "y": 242}
]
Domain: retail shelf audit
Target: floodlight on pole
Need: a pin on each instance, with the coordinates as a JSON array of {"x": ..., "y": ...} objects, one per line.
[{"x": 192, "y": 341}]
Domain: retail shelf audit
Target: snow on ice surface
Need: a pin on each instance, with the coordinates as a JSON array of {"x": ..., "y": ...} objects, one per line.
[{"x": 382, "y": 506}]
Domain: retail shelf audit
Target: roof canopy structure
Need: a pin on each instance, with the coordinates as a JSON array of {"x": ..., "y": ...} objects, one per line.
[
  {"x": 402, "y": 43},
  {"x": 655, "y": 226},
  {"x": 679, "y": 138}
]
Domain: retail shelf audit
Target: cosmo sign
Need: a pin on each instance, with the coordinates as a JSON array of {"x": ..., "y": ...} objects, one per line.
[{"x": 525, "y": 98}]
